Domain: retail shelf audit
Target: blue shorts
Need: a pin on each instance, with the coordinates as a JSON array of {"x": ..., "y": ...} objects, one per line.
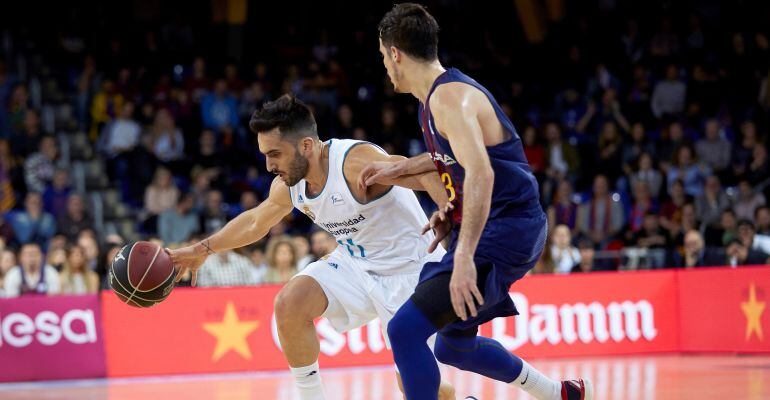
[{"x": 508, "y": 248}]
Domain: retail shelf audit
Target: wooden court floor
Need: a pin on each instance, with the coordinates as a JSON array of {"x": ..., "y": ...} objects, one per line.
[{"x": 631, "y": 378}]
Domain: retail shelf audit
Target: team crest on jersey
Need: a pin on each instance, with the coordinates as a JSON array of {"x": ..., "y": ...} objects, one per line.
[
  {"x": 309, "y": 213},
  {"x": 337, "y": 199},
  {"x": 444, "y": 158}
]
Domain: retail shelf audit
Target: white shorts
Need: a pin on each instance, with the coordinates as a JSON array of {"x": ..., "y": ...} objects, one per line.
[{"x": 356, "y": 296}]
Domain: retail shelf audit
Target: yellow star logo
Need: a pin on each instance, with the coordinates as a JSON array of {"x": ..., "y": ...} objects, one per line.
[
  {"x": 753, "y": 310},
  {"x": 231, "y": 334}
]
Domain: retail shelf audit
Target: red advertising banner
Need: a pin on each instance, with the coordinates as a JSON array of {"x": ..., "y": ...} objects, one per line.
[
  {"x": 591, "y": 314},
  {"x": 725, "y": 310},
  {"x": 44, "y": 338},
  {"x": 218, "y": 330}
]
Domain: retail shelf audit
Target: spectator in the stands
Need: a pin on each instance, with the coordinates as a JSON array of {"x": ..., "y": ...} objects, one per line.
[
  {"x": 122, "y": 134},
  {"x": 710, "y": 204},
  {"x": 162, "y": 194},
  {"x": 117, "y": 142},
  {"x": 633, "y": 150},
  {"x": 76, "y": 277},
  {"x": 27, "y": 141},
  {"x": 321, "y": 243},
  {"x": 226, "y": 268},
  {"x": 714, "y": 150},
  {"x": 747, "y": 233},
  {"x": 669, "y": 94},
  {"x": 610, "y": 151},
  {"x": 281, "y": 259},
  {"x": 564, "y": 255},
  {"x": 689, "y": 171},
  {"x": 39, "y": 167},
  {"x": 647, "y": 173},
  {"x": 32, "y": 276},
  {"x": 533, "y": 150},
  {"x": 214, "y": 214},
  {"x": 744, "y": 149},
  {"x": 106, "y": 106},
  {"x": 167, "y": 141},
  {"x": 564, "y": 209},
  {"x": 671, "y": 210},
  {"x": 600, "y": 218},
  {"x": 696, "y": 254},
  {"x": 652, "y": 237},
  {"x": 9, "y": 169},
  {"x": 561, "y": 159},
  {"x": 56, "y": 194},
  {"x": 219, "y": 109},
  {"x": 33, "y": 224},
  {"x": 87, "y": 241},
  {"x": 642, "y": 205},
  {"x": 75, "y": 219},
  {"x": 739, "y": 254},
  {"x": 248, "y": 201},
  {"x": 304, "y": 257},
  {"x": 747, "y": 200},
  {"x": 758, "y": 171},
  {"x": 587, "y": 254},
  {"x": 7, "y": 261},
  {"x": 762, "y": 218},
  {"x": 178, "y": 224}
]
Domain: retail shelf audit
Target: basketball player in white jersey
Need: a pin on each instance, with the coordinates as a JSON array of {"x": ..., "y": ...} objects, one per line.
[{"x": 380, "y": 251}]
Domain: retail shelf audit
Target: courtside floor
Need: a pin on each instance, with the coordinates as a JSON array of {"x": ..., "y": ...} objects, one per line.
[{"x": 632, "y": 378}]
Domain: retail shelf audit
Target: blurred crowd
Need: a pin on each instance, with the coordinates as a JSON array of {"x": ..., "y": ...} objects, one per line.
[{"x": 647, "y": 130}]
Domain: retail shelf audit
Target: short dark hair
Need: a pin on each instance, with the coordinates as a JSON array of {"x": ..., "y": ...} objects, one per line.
[
  {"x": 746, "y": 222},
  {"x": 289, "y": 114},
  {"x": 410, "y": 28}
]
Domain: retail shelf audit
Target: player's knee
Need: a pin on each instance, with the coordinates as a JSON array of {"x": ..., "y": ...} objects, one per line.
[
  {"x": 446, "y": 353},
  {"x": 398, "y": 330},
  {"x": 289, "y": 306}
]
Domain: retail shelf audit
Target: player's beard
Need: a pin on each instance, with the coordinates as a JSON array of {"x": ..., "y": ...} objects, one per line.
[{"x": 297, "y": 170}]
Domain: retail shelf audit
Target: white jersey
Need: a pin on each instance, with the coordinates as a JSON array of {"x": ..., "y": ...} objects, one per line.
[{"x": 384, "y": 233}]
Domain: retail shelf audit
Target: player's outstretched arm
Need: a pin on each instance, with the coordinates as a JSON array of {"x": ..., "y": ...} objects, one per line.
[
  {"x": 456, "y": 108},
  {"x": 246, "y": 228},
  {"x": 379, "y": 172},
  {"x": 364, "y": 155}
]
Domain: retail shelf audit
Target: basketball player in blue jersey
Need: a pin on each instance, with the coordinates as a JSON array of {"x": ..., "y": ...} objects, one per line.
[{"x": 496, "y": 230}]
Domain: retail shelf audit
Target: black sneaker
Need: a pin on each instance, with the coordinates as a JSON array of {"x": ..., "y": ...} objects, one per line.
[{"x": 579, "y": 389}]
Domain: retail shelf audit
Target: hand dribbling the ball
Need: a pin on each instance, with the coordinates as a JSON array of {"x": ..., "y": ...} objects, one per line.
[{"x": 189, "y": 258}]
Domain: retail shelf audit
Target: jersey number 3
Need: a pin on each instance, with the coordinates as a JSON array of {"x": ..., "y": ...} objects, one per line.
[{"x": 446, "y": 179}]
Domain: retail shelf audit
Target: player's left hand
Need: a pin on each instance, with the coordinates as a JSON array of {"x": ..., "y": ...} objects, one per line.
[
  {"x": 441, "y": 225},
  {"x": 463, "y": 289}
]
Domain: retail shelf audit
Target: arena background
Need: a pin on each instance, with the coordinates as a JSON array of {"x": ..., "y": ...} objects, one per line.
[{"x": 126, "y": 121}]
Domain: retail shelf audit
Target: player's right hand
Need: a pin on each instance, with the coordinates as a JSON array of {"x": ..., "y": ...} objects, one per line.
[
  {"x": 381, "y": 172},
  {"x": 441, "y": 225},
  {"x": 188, "y": 258}
]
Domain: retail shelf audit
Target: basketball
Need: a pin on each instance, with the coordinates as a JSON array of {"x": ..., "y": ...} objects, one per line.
[{"x": 142, "y": 274}]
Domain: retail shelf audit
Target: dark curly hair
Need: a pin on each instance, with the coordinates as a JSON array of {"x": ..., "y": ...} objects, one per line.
[{"x": 290, "y": 115}]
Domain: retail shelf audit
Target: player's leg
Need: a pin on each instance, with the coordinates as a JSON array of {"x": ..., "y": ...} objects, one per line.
[
  {"x": 428, "y": 310},
  {"x": 393, "y": 292},
  {"x": 445, "y": 389},
  {"x": 296, "y": 306}
]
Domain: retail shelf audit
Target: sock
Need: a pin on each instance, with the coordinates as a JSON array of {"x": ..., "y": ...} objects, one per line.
[
  {"x": 536, "y": 384},
  {"x": 308, "y": 382},
  {"x": 409, "y": 331},
  {"x": 480, "y": 355}
]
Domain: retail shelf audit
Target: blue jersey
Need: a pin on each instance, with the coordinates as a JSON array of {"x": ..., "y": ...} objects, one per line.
[
  {"x": 514, "y": 189},
  {"x": 515, "y": 233}
]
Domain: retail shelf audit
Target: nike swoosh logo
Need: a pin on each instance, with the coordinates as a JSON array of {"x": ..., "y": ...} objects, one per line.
[
  {"x": 311, "y": 373},
  {"x": 525, "y": 378}
]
